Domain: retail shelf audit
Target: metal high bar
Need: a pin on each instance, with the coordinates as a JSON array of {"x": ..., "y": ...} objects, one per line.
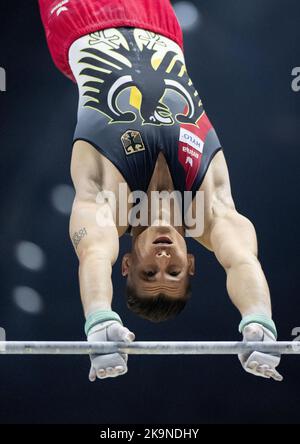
[{"x": 146, "y": 348}]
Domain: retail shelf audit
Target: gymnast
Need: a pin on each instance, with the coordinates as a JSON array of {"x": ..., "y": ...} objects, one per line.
[{"x": 142, "y": 126}]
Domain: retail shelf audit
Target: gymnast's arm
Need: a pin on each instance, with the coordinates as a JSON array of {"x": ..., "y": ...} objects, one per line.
[
  {"x": 232, "y": 238},
  {"x": 234, "y": 243},
  {"x": 96, "y": 241},
  {"x": 97, "y": 247}
]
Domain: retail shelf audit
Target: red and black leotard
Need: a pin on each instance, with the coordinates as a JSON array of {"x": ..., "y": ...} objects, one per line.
[
  {"x": 67, "y": 20},
  {"x": 136, "y": 98}
]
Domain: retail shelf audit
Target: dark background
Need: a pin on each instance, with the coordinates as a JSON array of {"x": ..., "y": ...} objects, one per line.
[{"x": 240, "y": 57}]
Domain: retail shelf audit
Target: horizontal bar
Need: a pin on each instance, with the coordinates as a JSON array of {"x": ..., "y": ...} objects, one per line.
[{"x": 146, "y": 348}]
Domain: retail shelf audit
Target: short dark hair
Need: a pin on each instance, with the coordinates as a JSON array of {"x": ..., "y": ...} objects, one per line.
[{"x": 157, "y": 308}]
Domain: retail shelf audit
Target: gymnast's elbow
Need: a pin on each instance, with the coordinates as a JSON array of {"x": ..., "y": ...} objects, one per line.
[
  {"x": 233, "y": 240},
  {"x": 96, "y": 243}
]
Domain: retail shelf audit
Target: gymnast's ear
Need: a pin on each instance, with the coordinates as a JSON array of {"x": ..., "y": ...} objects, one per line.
[
  {"x": 126, "y": 262},
  {"x": 191, "y": 266}
]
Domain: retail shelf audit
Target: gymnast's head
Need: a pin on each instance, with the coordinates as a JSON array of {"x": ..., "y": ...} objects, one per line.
[{"x": 158, "y": 272}]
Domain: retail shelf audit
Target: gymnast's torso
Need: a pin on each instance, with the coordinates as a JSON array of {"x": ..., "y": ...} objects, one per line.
[{"x": 136, "y": 99}]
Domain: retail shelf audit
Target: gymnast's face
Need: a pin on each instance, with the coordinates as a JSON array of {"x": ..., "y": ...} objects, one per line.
[{"x": 159, "y": 262}]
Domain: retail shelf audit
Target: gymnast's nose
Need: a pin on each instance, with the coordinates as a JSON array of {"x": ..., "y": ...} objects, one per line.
[{"x": 162, "y": 254}]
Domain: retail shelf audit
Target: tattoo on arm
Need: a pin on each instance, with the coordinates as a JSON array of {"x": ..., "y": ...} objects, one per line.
[{"x": 78, "y": 236}]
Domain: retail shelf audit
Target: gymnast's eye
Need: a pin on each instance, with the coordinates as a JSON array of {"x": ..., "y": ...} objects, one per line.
[
  {"x": 150, "y": 274},
  {"x": 174, "y": 273}
]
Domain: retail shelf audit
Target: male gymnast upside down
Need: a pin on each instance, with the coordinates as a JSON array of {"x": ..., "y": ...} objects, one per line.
[{"x": 141, "y": 123}]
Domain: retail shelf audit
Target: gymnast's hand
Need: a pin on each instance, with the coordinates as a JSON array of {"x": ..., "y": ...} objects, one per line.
[
  {"x": 260, "y": 364},
  {"x": 114, "y": 364}
]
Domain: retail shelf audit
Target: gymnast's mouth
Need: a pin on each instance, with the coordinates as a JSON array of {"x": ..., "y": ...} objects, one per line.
[{"x": 163, "y": 240}]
